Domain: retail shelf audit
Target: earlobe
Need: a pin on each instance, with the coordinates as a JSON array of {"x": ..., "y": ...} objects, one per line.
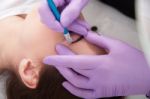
[{"x": 29, "y": 73}]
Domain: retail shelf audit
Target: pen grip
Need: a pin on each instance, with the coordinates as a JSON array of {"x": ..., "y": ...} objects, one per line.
[
  {"x": 56, "y": 13},
  {"x": 54, "y": 9}
]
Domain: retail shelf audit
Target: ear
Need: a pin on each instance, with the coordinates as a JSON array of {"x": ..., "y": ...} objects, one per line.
[{"x": 29, "y": 73}]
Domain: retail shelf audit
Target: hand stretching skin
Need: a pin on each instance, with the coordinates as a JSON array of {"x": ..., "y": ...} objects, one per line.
[
  {"x": 121, "y": 72},
  {"x": 69, "y": 15}
]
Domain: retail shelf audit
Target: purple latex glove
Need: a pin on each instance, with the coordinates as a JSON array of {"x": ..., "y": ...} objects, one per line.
[
  {"x": 69, "y": 16},
  {"x": 121, "y": 72}
]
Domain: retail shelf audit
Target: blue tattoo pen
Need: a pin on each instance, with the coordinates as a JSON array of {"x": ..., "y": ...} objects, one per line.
[{"x": 56, "y": 13}]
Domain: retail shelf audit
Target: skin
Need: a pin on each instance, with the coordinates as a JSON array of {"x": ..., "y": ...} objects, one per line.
[{"x": 25, "y": 41}]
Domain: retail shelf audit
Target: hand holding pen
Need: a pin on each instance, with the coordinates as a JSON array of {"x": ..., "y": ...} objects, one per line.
[{"x": 67, "y": 18}]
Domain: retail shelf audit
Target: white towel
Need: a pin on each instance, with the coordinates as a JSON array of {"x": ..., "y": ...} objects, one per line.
[{"x": 15, "y": 7}]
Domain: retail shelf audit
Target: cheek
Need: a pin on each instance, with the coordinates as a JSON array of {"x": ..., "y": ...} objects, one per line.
[
  {"x": 40, "y": 41},
  {"x": 84, "y": 48},
  {"x": 39, "y": 38},
  {"x": 45, "y": 45}
]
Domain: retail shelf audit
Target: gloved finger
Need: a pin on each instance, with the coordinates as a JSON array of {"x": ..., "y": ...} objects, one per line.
[
  {"x": 48, "y": 18},
  {"x": 76, "y": 27},
  {"x": 88, "y": 94},
  {"x": 75, "y": 61},
  {"x": 75, "y": 79},
  {"x": 72, "y": 11},
  {"x": 63, "y": 50},
  {"x": 101, "y": 41},
  {"x": 59, "y": 3},
  {"x": 84, "y": 72},
  {"x": 84, "y": 23},
  {"x": 80, "y": 27}
]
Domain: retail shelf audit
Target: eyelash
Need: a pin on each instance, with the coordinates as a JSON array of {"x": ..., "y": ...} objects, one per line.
[
  {"x": 79, "y": 39},
  {"x": 23, "y": 16}
]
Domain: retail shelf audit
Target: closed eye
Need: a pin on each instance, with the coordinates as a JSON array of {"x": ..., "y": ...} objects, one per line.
[
  {"x": 23, "y": 16},
  {"x": 79, "y": 39}
]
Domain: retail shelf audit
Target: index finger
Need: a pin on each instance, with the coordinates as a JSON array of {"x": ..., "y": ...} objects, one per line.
[
  {"x": 75, "y": 61},
  {"x": 72, "y": 11}
]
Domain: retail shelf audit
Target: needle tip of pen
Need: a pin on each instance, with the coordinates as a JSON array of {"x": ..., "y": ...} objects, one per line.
[{"x": 68, "y": 38}]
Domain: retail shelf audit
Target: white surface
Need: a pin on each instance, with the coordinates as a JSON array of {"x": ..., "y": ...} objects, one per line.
[
  {"x": 137, "y": 97},
  {"x": 143, "y": 7},
  {"x": 15, "y": 7},
  {"x": 2, "y": 86},
  {"x": 111, "y": 22}
]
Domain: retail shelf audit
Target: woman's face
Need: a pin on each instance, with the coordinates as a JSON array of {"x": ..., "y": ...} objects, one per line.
[
  {"x": 37, "y": 41},
  {"x": 40, "y": 41}
]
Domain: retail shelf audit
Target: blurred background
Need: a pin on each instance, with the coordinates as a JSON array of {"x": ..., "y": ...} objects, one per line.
[{"x": 110, "y": 21}]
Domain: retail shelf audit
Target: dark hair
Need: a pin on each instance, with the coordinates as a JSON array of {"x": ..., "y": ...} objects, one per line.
[{"x": 49, "y": 87}]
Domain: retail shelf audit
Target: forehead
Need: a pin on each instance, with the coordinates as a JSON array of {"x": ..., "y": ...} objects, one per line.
[
  {"x": 37, "y": 38},
  {"x": 35, "y": 29}
]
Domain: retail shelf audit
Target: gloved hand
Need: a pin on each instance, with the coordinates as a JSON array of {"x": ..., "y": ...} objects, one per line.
[
  {"x": 71, "y": 10},
  {"x": 121, "y": 72}
]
